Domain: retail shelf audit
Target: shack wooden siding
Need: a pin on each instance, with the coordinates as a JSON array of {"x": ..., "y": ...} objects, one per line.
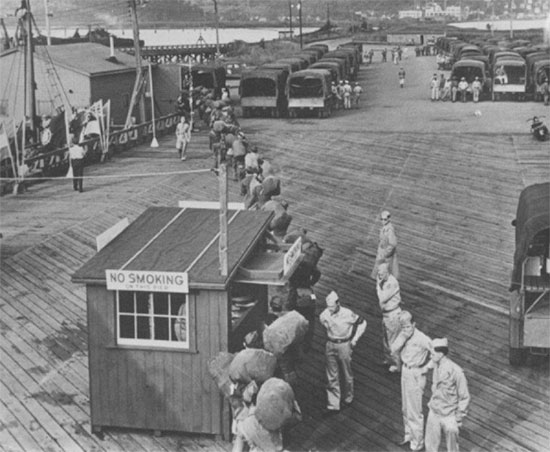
[{"x": 151, "y": 388}]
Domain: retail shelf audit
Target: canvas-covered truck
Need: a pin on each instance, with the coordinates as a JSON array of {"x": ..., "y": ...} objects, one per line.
[
  {"x": 262, "y": 91},
  {"x": 509, "y": 78},
  {"x": 309, "y": 91},
  {"x": 530, "y": 286},
  {"x": 211, "y": 76}
]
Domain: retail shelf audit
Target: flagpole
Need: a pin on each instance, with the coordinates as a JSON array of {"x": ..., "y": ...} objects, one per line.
[
  {"x": 154, "y": 142},
  {"x": 16, "y": 186},
  {"x": 190, "y": 97}
]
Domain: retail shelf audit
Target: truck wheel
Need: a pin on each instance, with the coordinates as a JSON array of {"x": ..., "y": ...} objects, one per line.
[{"x": 516, "y": 356}]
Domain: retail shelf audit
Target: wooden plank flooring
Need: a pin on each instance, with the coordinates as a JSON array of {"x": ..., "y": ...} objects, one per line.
[{"x": 452, "y": 191}]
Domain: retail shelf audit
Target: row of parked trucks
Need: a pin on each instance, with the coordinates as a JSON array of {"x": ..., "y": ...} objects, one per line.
[
  {"x": 513, "y": 69},
  {"x": 299, "y": 83}
]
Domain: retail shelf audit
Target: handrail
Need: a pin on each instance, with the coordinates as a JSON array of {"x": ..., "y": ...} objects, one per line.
[{"x": 118, "y": 140}]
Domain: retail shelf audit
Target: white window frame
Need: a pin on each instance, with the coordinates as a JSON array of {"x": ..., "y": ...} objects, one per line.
[{"x": 153, "y": 343}]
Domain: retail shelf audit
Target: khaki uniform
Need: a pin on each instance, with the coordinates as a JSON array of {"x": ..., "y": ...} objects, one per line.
[
  {"x": 338, "y": 352},
  {"x": 448, "y": 405},
  {"x": 387, "y": 251},
  {"x": 389, "y": 299},
  {"x": 414, "y": 356}
]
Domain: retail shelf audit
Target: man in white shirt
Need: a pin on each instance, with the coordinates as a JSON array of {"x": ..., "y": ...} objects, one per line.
[
  {"x": 414, "y": 349},
  {"x": 344, "y": 328},
  {"x": 76, "y": 156},
  {"x": 357, "y": 91},
  {"x": 183, "y": 136},
  {"x": 389, "y": 298}
]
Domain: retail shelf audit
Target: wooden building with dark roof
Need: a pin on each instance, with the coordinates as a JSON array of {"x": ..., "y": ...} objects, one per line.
[
  {"x": 84, "y": 73},
  {"x": 159, "y": 310}
]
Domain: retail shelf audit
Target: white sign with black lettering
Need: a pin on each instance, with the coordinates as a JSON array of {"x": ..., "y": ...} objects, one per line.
[
  {"x": 292, "y": 256},
  {"x": 146, "y": 281}
]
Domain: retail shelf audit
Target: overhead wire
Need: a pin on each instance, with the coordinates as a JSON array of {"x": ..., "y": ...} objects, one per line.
[{"x": 112, "y": 176}]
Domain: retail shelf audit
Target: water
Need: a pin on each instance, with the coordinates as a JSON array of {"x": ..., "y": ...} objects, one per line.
[
  {"x": 188, "y": 36},
  {"x": 505, "y": 24}
]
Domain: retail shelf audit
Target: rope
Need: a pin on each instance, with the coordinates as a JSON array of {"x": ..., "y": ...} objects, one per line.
[
  {"x": 10, "y": 73},
  {"x": 110, "y": 176}
]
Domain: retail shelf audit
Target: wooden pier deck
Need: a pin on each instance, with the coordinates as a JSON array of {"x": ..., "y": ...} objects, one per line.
[{"x": 452, "y": 188}]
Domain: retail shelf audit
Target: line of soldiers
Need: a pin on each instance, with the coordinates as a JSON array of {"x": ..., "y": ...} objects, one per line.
[
  {"x": 452, "y": 89},
  {"x": 273, "y": 350},
  {"x": 412, "y": 353},
  {"x": 344, "y": 95}
]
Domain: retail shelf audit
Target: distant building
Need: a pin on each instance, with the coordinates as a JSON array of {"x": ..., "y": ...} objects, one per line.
[
  {"x": 411, "y": 14},
  {"x": 432, "y": 11},
  {"x": 453, "y": 11},
  {"x": 87, "y": 73}
]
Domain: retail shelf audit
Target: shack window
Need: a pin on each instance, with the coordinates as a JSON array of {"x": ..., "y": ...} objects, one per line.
[
  {"x": 152, "y": 319},
  {"x": 306, "y": 87},
  {"x": 258, "y": 87}
]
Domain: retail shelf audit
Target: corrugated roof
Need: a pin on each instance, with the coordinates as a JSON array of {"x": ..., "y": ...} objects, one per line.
[{"x": 88, "y": 58}]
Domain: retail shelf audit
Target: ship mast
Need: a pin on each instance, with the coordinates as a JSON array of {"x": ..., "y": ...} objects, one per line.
[{"x": 30, "y": 83}]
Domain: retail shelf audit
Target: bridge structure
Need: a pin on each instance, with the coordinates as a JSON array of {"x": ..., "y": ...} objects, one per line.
[{"x": 179, "y": 53}]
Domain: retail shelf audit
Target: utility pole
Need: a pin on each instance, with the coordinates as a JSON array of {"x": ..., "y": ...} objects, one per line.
[
  {"x": 31, "y": 84},
  {"x": 511, "y": 23},
  {"x": 328, "y": 19},
  {"x": 137, "y": 94},
  {"x": 222, "y": 180},
  {"x": 290, "y": 18},
  {"x": 300, "y": 18},
  {"x": 216, "y": 17},
  {"x": 48, "y": 31}
]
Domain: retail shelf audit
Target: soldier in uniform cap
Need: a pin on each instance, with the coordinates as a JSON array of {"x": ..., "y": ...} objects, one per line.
[
  {"x": 449, "y": 402},
  {"x": 344, "y": 328},
  {"x": 389, "y": 298},
  {"x": 387, "y": 247},
  {"x": 414, "y": 349}
]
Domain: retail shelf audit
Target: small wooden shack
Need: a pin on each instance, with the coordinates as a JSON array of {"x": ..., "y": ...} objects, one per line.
[{"x": 158, "y": 310}]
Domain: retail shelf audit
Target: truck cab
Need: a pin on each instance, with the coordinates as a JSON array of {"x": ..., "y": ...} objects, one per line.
[{"x": 530, "y": 286}]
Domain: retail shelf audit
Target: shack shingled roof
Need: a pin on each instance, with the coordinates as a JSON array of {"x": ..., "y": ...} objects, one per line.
[
  {"x": 88, "y": 58},
  {"x": 171, "y": 239}
]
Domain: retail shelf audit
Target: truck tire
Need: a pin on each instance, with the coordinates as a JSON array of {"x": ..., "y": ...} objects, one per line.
[{"x": 516, "y": 356}]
